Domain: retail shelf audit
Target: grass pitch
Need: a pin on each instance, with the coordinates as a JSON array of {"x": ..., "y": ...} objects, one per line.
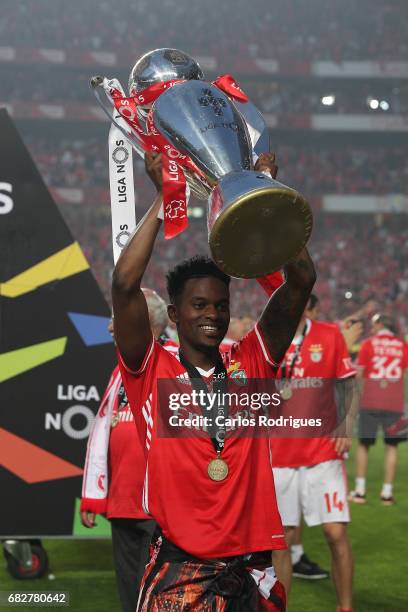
[{"x": 379, "y": 537}]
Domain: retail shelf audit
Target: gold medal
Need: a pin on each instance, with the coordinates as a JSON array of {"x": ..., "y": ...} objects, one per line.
[
  {"x": 286, "y": 392},
  {"x": 383, "y": 384},
  {"x": 115, "y": 420},
  {"x": 217, "y": 469}
]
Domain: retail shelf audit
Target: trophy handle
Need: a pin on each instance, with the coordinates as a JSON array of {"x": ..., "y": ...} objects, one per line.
[
  {"x": 96, "y": 84},
  {"x": 256, "y": 125}
]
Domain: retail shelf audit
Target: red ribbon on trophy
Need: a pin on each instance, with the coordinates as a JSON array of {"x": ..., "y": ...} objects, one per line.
[
  {"x": 174, "y": 181},
  {"x": 228, "y": 85},
  {"x": 174, "y": 198},
  {"x": 150, "y": 94}
]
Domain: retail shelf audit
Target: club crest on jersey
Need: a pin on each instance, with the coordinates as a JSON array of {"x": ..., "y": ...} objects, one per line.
[
  {"x": 239, "y": 377},
  {"x": 316, "y": 352},
  {"x": 233, "y": 366},
  {"x": 237, "y": 373}
]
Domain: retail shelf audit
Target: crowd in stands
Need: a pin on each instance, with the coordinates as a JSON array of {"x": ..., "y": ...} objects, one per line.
[
  {"x": 342, "y": 247},
  {"x": 316, "y": 96},
  {"x": 296, "y": 96},
  {"x": 313, "y": 169},
  {"x": 363, "y": 256},
  {"x": 70, "y": 163},
  {"x": 286, "y": 30},
  {"x": 42, "y": 85},
  {"x": 344, "y": 169}
]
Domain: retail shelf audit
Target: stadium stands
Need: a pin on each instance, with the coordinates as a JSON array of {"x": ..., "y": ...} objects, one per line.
[
  {"x": 334, "y": 90},
  {"x": 337, "y": 31}
]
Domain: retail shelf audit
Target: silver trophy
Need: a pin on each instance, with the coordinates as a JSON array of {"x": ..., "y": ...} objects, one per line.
[{"x": 255, "y": 223}]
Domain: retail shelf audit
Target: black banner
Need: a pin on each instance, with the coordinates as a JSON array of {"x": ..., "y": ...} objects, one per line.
[{"x": 55, "y": 353}]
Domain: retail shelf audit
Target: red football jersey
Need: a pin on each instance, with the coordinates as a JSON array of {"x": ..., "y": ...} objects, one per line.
[
  {"x": 127, "y": 463},
  {"x": 383, "y": 358},
  {"x": 126, "y": 469},
  {"x": 323, "y": 355},
  {"x": 203, "y": 517}
]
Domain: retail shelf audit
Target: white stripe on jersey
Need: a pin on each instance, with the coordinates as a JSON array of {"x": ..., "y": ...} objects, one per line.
[
  {"x": 147, "y": 417},
  {"x": 264, "y": 351},
  {"x": 147, "y": 414}
]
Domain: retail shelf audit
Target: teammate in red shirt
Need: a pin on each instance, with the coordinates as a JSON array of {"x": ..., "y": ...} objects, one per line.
[
  {"x": 382, "y": 360},
  {"x": 302, "y": 565},
  {"x": 118, "y": 492},
  {"x": 216, "y": 510},
  {"x": 309, "y": 473}
]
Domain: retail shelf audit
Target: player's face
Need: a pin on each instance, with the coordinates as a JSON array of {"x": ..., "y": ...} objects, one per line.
[
  {"x": 202, "y": 312},
  {"x": 313, "y": 313}
]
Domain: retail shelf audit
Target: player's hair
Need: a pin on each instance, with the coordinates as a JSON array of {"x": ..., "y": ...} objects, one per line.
[
  {"x": 157, "y": 309},
  {"x": 385, "y": 320},
  {"x": 313, "y": 300},
  {"x": 195, "y": 267}
]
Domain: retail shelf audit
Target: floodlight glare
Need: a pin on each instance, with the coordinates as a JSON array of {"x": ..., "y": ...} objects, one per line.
[{"x": 328, "y": 100}]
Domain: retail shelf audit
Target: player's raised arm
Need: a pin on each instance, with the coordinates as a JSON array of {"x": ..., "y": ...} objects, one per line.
[
  {"x": 283, "y": 312},
  {"x": 131, "y": 319}
]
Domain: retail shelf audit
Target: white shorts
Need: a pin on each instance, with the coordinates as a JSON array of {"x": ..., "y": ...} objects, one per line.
[{"x": 319, "y": 492}]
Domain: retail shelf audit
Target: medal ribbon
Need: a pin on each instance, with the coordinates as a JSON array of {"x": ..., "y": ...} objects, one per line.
[
  {"x": 120, "y": 403},
  {"x": 295, "y": 356},
  {"x": 220, "y": 386}
]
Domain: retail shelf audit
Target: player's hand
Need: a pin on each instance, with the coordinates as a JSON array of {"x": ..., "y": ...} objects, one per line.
[
  {"x": 266, "y": 162},
  {"x": 352, "y": 331},
  {"x": 88, "y": 519},
  {"x": 342, "y": 445},
  {"x": 369, "y": 308},
  {"x": 153, "y": 166}
]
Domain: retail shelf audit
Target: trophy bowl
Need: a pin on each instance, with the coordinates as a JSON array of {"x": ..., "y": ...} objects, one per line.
[{"x": 255, "y": 223}]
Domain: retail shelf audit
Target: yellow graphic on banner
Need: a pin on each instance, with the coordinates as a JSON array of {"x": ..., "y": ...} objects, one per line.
[
  {"x": 21, "y": 360},
  {"x": 64, "y": 263}
]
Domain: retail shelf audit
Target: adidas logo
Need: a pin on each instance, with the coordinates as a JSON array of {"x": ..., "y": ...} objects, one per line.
[{"x": 184, "y": 378}]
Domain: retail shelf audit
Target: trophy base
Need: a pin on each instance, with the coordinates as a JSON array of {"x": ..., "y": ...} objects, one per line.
[{"x": 256, "y": 224}]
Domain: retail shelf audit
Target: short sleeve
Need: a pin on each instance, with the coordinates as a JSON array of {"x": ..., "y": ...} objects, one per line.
[
  {"x": 364, "y": 354},
  {"x": 344, "y": 366},
  {"x": 253, "y": 356},
  {"x": 146, "y": 359},
  {"x": 139, "y": 386},
  {"x": 405, "y": 366}
]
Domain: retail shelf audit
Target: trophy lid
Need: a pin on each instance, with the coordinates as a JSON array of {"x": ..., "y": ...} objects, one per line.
[{"x": 163, "y": 65}]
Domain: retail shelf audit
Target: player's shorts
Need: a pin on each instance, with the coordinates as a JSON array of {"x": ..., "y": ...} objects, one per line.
[
  {"x": 370, "y": 421},
  {"x": 319, "y": 492},
  {"x": 175, "y": 580}
]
